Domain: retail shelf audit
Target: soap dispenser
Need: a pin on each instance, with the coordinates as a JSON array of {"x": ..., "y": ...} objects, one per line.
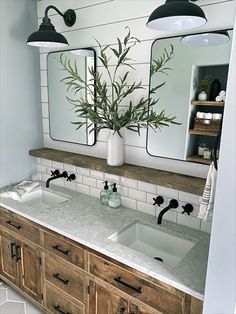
[
  {"x": 104, "y": 194},
  {"x": 115, "y": 198}
]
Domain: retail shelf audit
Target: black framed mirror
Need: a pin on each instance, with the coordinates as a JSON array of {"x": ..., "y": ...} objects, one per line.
[
  {"x": 61, "y": 111},
  {"x": 188, "y": 68}
]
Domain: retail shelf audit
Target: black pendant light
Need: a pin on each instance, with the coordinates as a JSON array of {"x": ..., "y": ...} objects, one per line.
[
  {"x": 46, "y": 36},
  {"x": 176, "y": 15},
  {"x": 215, "y": 38}
]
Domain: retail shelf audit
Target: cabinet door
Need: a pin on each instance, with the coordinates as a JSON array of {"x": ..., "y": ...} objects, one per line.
[
  {"x": 102, "y": 301},
  {"x": 135, "y": 309},
  {"x": 29, "y": 270},
  {"x": 8, "y": 265}
]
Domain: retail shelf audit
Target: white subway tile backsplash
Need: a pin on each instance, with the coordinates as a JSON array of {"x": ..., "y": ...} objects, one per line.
[
  {"x": 189, "y": 198},
  {"x": 112, "y": 178},
  {"x": 94, "y": 192},
  {"x": 188, "y": 221},
  {"x": 146, "y": 208},
  {"x": 147, "y": 187},
  {"x": 89, "y": 181},
  {"x": 167, "y": 192},
  {"x": 69, "y": 168},
  {"x": 46, "y": 162},
  {"x": 58, "y": 165},
  {"x": 129, "y": 182},
  {"x": 137, "y": 195},
  {"x": 128, "y": 202},
  {"x": 82, "y": 171},
  {"x": 82, "y": 189},
  {"x": 97, "y": 174}
]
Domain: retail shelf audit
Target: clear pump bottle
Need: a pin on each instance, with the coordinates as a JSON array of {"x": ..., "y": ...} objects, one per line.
[
  {"x": 115, "y": 198},
  {"x": 104, "y": 194}
]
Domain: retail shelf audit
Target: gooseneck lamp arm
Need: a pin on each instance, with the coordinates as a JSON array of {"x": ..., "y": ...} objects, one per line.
[{"x": 46, "y": 36}]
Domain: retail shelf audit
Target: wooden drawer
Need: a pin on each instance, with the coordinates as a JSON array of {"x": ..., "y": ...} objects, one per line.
[
  {"x": 167, "y": 302},
  {"x": 58, "y": 303},
  {"x": 68, "y": 251},
  {"x": 19, "y": 225},
  {"x": 60, "y": 275}
]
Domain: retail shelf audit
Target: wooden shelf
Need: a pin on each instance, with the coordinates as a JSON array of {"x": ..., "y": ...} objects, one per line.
[
  {"x": 198, "y": 159},
  {"x": 207, "y": 103},
  {"x": 195, "y": 132}
]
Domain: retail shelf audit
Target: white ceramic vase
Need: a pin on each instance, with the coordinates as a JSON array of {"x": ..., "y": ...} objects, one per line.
[
  {"x": 115, "y": 149},
  {"x": 202, "y": 96}
]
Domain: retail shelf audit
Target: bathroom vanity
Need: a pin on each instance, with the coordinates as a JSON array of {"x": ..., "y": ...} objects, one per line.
[{"x": 63, "y": 259}]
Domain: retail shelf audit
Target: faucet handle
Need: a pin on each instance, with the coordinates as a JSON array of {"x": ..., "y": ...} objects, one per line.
[
  {"x": 158, "y": 200},
  {"x": 188, "y": 208},
  {"x": 55, "y": 173},
  {"x": 174, "y": 203},
  {"x": 71, "y": 177}
]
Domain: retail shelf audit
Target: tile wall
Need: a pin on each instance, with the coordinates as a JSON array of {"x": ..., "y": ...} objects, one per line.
[{"x": 135, "y": 194}]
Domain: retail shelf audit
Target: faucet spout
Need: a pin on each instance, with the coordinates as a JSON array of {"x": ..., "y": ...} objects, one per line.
[
  {"x": 64, "y": 174},
  {"x": 173, "y": 204}
]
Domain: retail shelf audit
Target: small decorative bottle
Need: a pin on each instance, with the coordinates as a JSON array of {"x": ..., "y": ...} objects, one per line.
[
  {"x": 115, "y": 198},
  {"x": 104, "y": 194}
]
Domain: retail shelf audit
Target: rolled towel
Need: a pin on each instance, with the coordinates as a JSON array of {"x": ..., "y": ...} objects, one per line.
[
  {"x": 207, "y": 202},
  {"x": 219, "y": 98},
  {"x": 18, "y": 191},
  {"x": 224, "y": 98},
  {"x": 222, "y": 93}
]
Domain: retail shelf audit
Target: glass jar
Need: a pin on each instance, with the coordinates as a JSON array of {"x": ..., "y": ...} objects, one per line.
[
  {"x": 202, "y": 146},
  {"x": 207, "y": 153}
]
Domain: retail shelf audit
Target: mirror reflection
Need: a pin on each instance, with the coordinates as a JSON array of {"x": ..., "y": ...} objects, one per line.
[
  {"x": 61, "y": 111},
  {"x": 194, "y": 92}
]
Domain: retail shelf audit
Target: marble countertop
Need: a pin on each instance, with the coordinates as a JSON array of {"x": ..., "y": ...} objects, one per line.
[{"x": 83, "y": 219}]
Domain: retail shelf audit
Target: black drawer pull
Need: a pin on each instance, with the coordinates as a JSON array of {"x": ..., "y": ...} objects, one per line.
[
  {"x": 57, "y": 276},
  {"x": 9, "y": 222},
  {"x": 118, "y": 279},
  {"x": 57, "y": 248},
  {"x": 18, "y": 256},
  {"x": 13, "y": 246},
  {"x": 58, "y": 309}
]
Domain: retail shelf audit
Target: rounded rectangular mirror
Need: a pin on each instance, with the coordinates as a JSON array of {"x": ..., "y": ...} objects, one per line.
[
  {"x": 188, "y": 70},
  {"x": 62, "y": 113}
]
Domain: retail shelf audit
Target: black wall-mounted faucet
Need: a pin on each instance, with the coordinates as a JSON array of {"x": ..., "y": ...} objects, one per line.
[
  {"x": 173, "y": 204},
  {"x": 56, "y": 175}
]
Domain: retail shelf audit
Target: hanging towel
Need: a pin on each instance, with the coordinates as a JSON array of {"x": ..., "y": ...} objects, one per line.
[
  {"x": 207, "y": 202},
  {"x": 18, "y": 191}
]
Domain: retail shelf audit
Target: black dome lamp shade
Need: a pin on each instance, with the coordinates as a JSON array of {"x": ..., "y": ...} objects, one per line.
[
  {"x": 176, "y": 15},
  {"x": 46, "y": 36}
]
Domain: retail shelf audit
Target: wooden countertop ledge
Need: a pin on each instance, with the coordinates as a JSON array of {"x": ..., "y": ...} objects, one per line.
[{"x": 154, "y": 176}]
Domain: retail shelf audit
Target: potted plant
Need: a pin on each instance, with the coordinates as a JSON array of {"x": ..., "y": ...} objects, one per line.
[
  {"x": 203, "y": 87},
  {"x": 105, "y": 111}
]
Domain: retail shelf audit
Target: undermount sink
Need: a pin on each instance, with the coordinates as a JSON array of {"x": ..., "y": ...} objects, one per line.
[
  {"x": 164, "y": 247},
  {"x": 41, "y": 198}
]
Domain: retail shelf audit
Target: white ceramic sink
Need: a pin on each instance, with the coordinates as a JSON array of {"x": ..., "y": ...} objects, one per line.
[
  {"x": 153, "y": 243},
  {"x": 41, "y": 198}
]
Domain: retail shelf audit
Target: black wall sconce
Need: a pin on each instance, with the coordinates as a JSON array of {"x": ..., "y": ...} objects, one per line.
[
  {"x": 176, "y": 15},
  {"x": 46, "y": 36}
]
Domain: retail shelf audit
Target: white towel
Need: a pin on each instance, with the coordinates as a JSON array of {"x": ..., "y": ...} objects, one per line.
[
  {"x": 207, "y": 202},
  {"x": 18, "y": 191}
]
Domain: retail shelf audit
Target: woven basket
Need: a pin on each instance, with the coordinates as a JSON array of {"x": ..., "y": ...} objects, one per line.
[{"x": 208, "y": 125}]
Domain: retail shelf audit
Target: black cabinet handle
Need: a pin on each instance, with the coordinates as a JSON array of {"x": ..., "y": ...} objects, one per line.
[
  {"x": 118, "y": 279},
  {"x": 13, "y": 246},
  {"x": 18, "y": 255},
  {"x": 9, "y": 222},
  {"x": 57, "y": 248},
  {"x": 57, "y": 276},
  {"x": 58, "y": 309}
]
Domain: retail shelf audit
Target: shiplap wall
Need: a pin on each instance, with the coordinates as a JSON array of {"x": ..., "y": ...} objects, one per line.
[{"x": 105, "y": 21}]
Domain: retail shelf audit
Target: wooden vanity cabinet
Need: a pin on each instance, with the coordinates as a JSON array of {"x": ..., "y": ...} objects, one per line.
[
  {"x": 62, "y": 276},
  {"x": 21, "y": 264}
]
